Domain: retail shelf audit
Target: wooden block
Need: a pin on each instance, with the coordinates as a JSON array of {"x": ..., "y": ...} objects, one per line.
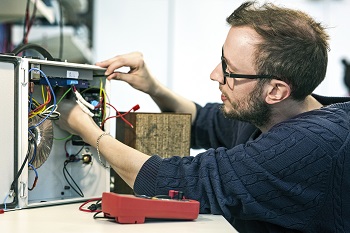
[{"x": 164, "y": 134}]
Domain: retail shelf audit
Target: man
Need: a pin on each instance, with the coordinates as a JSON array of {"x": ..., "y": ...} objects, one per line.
[{"x": 286, "y": 173}]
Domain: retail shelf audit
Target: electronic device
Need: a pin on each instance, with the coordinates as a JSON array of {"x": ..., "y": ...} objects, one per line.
[
  {"x": 126, "y": 208},
  {"x": 42, "y": 164}
]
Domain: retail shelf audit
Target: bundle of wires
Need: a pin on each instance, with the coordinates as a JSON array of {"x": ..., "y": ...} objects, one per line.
[{"x": 45, "y": 113}]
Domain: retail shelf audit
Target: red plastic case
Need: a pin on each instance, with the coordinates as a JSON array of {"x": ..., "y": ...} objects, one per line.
[{"x": 131, "y": 209}]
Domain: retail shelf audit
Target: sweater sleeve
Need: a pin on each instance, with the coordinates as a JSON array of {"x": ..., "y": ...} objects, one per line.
[{"x": 146, "y": 179}]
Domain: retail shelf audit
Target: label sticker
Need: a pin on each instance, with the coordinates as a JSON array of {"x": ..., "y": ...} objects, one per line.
[{"x": 72, "y": 74}]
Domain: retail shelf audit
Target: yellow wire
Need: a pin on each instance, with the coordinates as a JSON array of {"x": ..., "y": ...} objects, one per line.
[
  {"x": 44, "y": 99},
  {"x": 101, "y": 87},
  {"x": 37, "y": 103},
  {"x": 42, "y": 92},
  {"x": 104, "y": 100}
]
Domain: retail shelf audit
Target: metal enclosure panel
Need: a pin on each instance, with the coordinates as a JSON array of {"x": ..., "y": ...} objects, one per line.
[
  {"x": 52, "y": 187},
  {"x": 8, "y": 126}
]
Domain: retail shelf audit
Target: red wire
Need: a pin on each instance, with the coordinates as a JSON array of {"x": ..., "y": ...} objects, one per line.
[
  {"x": 29, "y": 22},
  {"x": 44, "y": 104},
  {"x": 136, "y": 107},
  {"x": 88, "y": 201},
  {"x": 34, "y": 184},
  {"x": 26, "y": 20}
]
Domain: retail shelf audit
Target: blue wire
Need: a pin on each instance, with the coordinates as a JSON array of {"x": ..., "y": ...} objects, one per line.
[
  {"x": 36, "y": 172},
  {"x": 53, "y": 94},
  {"x": 31, "y": 101},
  {"x": 47, "y": 116},
  {"x": 7, "y": 196}
]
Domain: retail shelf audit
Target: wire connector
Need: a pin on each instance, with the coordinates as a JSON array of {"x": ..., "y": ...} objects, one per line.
[
  {"x": 83, "y": 101},
  {"x": 84, "y": 108}
]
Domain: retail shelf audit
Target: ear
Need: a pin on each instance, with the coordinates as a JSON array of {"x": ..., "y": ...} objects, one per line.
[{"x": 277, "y": 91}]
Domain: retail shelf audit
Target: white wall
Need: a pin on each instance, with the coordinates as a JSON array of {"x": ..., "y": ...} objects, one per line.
[
  {"x": 125, "y": 26},
  {"x": 182, "y": 39}
]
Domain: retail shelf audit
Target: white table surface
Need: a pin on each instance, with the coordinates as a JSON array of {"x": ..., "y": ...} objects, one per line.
[{"x": 68, "y": 218}]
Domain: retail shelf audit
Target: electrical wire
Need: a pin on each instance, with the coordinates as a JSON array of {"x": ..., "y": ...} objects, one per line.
[
  {"x": 22, "y": 47},
  {"x": 40, "y": 107},
  {"x": 5, "y": 200},
  {"x": 52, "y": 115},
  {"x": 32, "y": 138},
  {"x": 135, "y": 108},
  {"x": 64, "y": 95},
  {"x": 36, "y": 177},
  {"x": 65, "y": 138},
  {"x": 92, "y": 208},
  {"x": 31, "y": 128},
  {"x": 61, "y": 30},
  {"x": 95, "y": 215},
  {"x": 13, "y": 184},
  {"x": 53, "y": 95},
  {"x": 65, "y": 173},
  {"x": 30, "y": 101},
  {"x": 25, "y": 24},
  {"x": 76, "y": 154},
  {"x": 30, "y": 22},
  {"x": 71, "y": 158}
]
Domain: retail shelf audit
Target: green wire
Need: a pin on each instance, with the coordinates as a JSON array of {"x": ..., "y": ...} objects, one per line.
[
  {"x": 69, "y": 136},
  {"x": 64, "y": 95},
  {"x": 66, "y": 138}
]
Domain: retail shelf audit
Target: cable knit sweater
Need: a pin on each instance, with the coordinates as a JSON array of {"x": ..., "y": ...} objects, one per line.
[{"x": 293, "y": 178}]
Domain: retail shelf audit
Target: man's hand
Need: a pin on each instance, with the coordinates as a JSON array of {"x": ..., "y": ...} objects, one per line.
[{"x": 138, "y": 77}]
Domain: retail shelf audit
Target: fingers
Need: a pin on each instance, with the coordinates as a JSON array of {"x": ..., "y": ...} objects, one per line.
[
  {"x": 113, "y": 76},
  {"x": 133, "y": 60},
  {"x": 120, "y": 76}
]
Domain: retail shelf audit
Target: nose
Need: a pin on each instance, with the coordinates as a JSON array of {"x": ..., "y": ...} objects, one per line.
[{"x": 217, "y": 75}]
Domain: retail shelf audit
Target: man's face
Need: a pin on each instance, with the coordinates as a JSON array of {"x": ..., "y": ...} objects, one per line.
[
  {"x": 243, "y": 99},
  {"x": 251, "y": 108}
]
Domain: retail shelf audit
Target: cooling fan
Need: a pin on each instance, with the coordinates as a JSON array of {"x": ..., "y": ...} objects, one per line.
[{"x": 43, "y": 137}]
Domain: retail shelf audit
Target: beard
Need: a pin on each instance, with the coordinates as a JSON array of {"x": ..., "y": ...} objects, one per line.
[{"x": 252, "y": 109}]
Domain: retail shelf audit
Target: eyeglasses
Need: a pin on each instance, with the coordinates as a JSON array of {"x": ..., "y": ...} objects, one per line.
[{"x": 233, "y": 75}]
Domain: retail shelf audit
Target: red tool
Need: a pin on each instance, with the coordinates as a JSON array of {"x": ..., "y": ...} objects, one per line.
[{"x": 127, "y": 208}]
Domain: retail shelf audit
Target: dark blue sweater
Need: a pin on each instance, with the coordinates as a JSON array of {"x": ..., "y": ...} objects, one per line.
[{"x": 294, "y": 178}]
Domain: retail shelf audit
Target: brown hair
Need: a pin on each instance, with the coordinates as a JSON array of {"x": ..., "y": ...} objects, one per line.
[{"x": 294, "y": 46}]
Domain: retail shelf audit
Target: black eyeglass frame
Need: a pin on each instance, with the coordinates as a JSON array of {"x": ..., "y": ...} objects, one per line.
[{"x": 233, "y": 75}]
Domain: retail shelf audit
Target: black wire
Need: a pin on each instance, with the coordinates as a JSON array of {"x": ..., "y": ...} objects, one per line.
[
  {"x": 79, "y": 192},
  {"x": 76, "y": 154},
  {"x": 35, "y": 145},
  {"x": 96, "y": 206},
  {"x": 95, "y": 215},
  {"x": 36, "y": 47},
  {"x": 61, "y": 30},
  {"x": 12, "y": 187},
  {"x": 80, "y": 150}
]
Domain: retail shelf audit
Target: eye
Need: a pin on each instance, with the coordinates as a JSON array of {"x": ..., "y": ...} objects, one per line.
[{"x": 225, "y": 66}]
